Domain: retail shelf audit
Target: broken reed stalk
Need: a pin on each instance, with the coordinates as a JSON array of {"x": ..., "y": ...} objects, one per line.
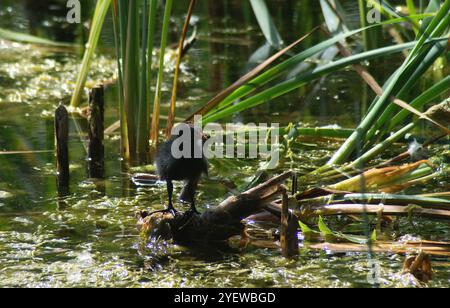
[
  {"x": 294, "y": 189},
  {"x": 171, "y": 116},
  {"x": 371, "y": 209},
  {"x": 435, "y": 249},
  {"x": 24, "y": 152},
  {"x": 96, "y": 152},
  {"x": 430, "y": 248},
  {"x": 62, "y": 149},
  {"x": 288, "y": 230}
]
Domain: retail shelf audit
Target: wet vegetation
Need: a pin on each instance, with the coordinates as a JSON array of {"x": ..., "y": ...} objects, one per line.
[{"x": 364, "y": 114}]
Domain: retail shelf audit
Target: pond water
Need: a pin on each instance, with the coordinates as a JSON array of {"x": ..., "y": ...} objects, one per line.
[{"x": 89, "y": 239}]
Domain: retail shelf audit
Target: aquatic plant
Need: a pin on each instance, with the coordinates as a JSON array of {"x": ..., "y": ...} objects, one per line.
[
  {"x": 425, "y": 51},
  {"x": 428, "y": 46},
  {"x": 134, "y": 31}
]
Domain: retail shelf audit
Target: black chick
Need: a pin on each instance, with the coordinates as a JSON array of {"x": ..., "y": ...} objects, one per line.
[{"x": 188, "y": 168}]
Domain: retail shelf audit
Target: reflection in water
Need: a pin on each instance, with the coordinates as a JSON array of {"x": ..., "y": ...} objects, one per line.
[
  {"x": 88, "y": 238},
  {"x": 49, "y": 12}
]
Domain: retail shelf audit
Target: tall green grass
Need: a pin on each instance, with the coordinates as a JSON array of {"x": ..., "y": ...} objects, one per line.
[
  {"x": 368, "y": 137},
  {"x": 231, "y": 103},
  {"x": 406, "y": 76},
  {"x": 135, "y": 25}
]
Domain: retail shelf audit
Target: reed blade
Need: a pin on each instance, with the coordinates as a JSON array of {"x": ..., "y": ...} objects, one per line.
[
  {"x": 157, "y": 102},
  {"x": 243, "y": 80},
  {"x": 266, "y": 23},
  {"x": 173, "y": 99}
]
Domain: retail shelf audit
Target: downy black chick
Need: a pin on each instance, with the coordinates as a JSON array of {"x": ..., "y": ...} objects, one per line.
[{"x": 181, "y": 158}]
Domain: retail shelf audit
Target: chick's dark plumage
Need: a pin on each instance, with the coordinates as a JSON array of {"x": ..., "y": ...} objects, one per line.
[{"x": 188, "y": 168}]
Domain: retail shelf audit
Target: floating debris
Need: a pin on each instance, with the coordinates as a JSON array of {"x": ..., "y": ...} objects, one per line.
[{"x": 5, "y": 195}]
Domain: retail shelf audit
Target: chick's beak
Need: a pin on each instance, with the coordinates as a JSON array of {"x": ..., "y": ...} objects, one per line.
[{"x": 205, "y": 137}]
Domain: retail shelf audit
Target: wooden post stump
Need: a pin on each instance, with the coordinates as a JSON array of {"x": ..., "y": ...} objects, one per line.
[{"x": 62, "y": 149}]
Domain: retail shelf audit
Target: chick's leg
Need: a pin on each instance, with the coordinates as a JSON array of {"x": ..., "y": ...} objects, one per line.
[{"x": 188, "y": 193}]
